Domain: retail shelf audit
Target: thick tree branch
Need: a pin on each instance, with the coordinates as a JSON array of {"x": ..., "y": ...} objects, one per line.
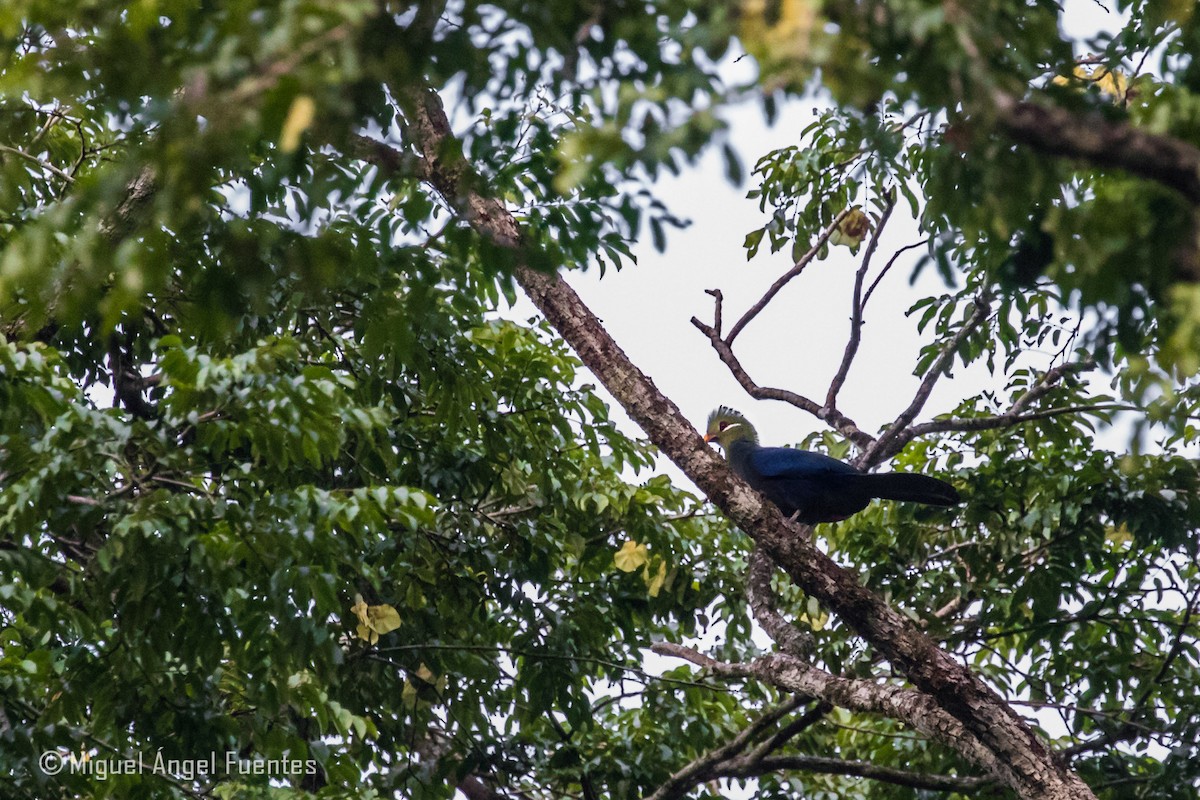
[
  {"x": 762, "y": 601},
  {"x": 1164, "y": 159},
  {"x": 796, "y": 675},
  {"x": 985, "y": 723}
]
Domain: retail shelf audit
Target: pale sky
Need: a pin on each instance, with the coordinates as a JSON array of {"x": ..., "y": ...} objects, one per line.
[{"x": 797, "y": 342}]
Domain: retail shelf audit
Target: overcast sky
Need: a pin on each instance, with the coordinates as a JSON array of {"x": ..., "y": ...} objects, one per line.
[{"x": 798, "y": 341}]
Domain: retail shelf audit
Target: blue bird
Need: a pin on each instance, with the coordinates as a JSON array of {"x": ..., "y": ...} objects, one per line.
[{"x": 812, "y": 487}]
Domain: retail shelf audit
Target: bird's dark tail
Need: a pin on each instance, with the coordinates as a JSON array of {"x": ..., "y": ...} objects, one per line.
[{"x": 913, "y": 488}]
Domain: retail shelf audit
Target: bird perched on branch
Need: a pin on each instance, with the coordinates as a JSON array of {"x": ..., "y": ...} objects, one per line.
[{"x": 812, "y": 487}]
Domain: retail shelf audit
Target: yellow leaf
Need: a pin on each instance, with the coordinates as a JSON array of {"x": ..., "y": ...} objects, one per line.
[
  {"x": 408, "y": 695},
  {"x": 631, "y": 556},
  {"x": 654, "y": 583},
  {"x": 853, "y": 228},
  {"x": 1111, "y": 81},
  {"x": 384, "y": 619},
  {"x": 813, "y": 615},
  {"x": 1119, "y": 535},
  {"x": 776, "y": 31},
  {"x": 299, "y": 119},
  {"x": 374, "y": 620}
]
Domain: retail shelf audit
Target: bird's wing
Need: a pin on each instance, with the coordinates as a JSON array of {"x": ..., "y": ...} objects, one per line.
[{"x": 787, "y": 462}]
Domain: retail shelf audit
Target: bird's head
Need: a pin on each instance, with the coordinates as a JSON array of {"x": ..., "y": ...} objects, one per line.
[{"x": 726, "y": 426}]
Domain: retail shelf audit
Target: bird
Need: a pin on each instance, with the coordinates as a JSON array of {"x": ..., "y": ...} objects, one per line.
[{"x": 811, "y": 487}]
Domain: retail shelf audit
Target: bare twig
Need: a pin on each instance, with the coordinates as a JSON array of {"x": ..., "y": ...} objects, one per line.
[
  {"x": 718, "y": 299},
  {"x": 839, "y": 421},
  {"x": 856, "y": 309},
  {"x": 783, "y": 280},
  {"x": 888, "y": 266}
]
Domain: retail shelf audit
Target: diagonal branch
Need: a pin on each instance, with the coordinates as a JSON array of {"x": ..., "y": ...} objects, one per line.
[
  {"x": 1167, "y": 160},
  {"x": 1005, "y": 420},
  {"x": 1015, "y": 415},
  {"x": 887, "y": 267},
  {"x": 786, "y": 277},
  {"x": 987, "y": 729},
  {"x": 702, "y": 768},
  {"x": 889, "y": 443},
  {"x": 795, "y": 675},
  {"x": 762, "y": 600},
  {"x": 790, "y": 731},
  {"x": 837, "y": 420}
]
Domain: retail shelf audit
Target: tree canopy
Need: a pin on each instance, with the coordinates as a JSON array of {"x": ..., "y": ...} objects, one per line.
[{"x": 283, "y": 481}]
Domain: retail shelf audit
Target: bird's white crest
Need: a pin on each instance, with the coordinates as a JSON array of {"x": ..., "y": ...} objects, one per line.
[{"x": 734, "y": 416}]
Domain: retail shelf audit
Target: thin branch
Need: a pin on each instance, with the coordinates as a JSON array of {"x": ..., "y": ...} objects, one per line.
[
  {"x": 888, "y": 266},
  {"x": 859, "y": 769},
  {"x": 43, "y": 164},
  {"x": 281, "y": 67},
  {"x": 701, "y": 769},
  {"x": 888, "y": 443},
  {"x": 1007, "y": 419},
  {"x": 856, "y": 310},
  {"x": 790, "y": 731},
  {"x": 1013, "y": 415},
  {"x": 837, "y": 420},
  {"x": 784, "y": 279}
]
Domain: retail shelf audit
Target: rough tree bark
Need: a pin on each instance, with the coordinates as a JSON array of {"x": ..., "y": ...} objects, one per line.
[{"x": 1010, "y": 750}]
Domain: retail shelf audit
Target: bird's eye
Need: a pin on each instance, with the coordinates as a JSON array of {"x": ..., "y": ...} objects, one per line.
[{"x": 722, "y": 426}]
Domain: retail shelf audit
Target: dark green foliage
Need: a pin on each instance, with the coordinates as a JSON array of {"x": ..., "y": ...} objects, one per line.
[{"x": 246, "y": 374}]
